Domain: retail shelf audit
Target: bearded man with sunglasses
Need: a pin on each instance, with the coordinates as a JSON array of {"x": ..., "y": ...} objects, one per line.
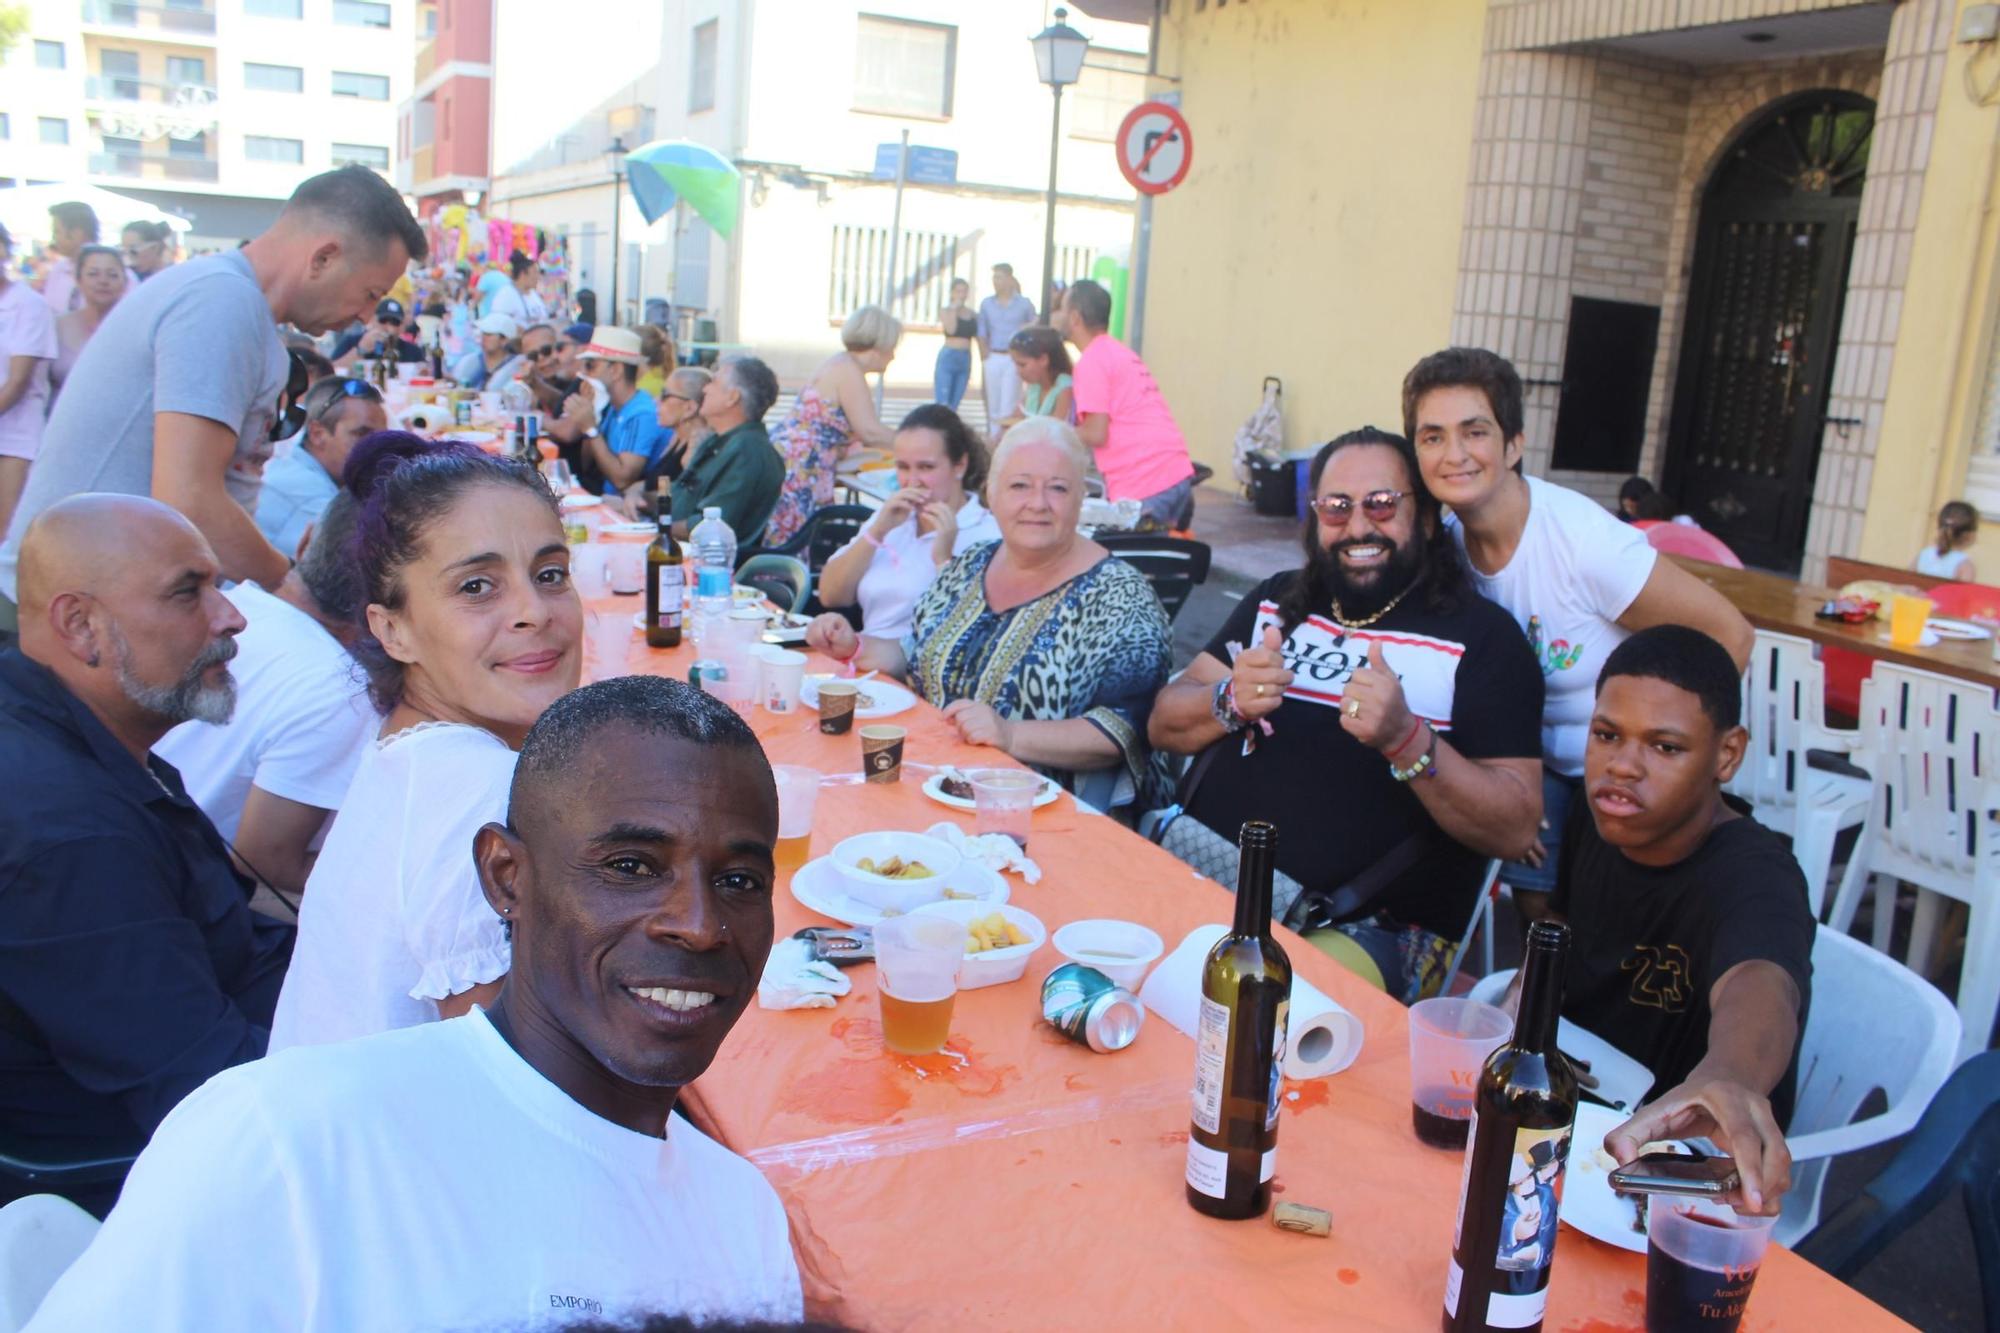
[
  {"x": 1382, "y": 714},
  {"x": 340, "y": 412}
]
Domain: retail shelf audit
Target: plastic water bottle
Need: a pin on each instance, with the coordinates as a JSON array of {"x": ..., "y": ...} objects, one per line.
[{"x": 712, "y": 547}]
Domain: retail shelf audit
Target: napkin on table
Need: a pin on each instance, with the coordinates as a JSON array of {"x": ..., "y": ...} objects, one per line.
[
  {"x": 996, "y": 851},
  {"x": 793, "y": 980}
]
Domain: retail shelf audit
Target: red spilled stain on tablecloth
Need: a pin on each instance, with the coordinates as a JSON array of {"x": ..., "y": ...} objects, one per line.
[
  {"x": 1348, "y": 1276},
  {"x": 1300, "y": 1097},
  {"x": 1178, "y": 1136},
  {"x": 1074, "y": 1083},
  {"x": 872, "y": 1085},
  {"x": 1277, "y": 1184},
  {"x": 1634, "y": 1301}
]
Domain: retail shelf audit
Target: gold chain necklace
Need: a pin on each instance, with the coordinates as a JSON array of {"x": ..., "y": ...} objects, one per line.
[{"x": 1345, "y": 623}]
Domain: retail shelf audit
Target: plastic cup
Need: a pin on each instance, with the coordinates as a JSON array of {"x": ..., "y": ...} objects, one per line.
[
  {"x": 798, "y": 798},
  {"x": 916, "y": 964},
  {"x": 1702, "y": 1259},
  {"x": 780, "y": 672},
  {"x": 588, "y": 571},
  {"x": 1449, "y": 1042},
  {"x": 1004, "y": 801},
  {"x": 610, "y": 641},
  {"x": 1907, "y": 617},
  {"x": 882, "y": 753}
]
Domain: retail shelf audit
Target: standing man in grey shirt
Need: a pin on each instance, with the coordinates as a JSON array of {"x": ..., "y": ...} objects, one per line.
[
  {"x": 1001, "y": 316},
  {"x": 178, "y": 391}
]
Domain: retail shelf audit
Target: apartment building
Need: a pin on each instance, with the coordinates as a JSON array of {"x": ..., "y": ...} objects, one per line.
[
  {"x": 211, "y": 109},
  {"x": 443, "y": 138},
  {"x": 802, "y": 96}
]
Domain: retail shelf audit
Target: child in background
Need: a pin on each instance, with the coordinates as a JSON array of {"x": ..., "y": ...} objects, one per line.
[{"x": 1949, "y": 556}]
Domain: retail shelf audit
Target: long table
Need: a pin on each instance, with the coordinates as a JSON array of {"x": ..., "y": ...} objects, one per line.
[
  {"x": 1786, "y": 606},
  {"x": 1018, "y": 1180}
]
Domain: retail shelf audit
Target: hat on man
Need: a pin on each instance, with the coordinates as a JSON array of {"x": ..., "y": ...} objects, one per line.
[
  {"x": 389, "y": 308},
  {"x": 504, "y": 325},
  {"x": 615, "y": 344},
  {"x": 579, "y": 333}
]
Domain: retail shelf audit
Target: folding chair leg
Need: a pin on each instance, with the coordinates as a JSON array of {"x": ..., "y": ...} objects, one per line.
[
  {"x": 1486, "y": 939},
  {"x": 1888, "y": 891}
]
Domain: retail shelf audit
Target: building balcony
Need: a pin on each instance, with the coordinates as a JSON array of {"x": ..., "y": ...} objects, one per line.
[
  {"x": 155, "y": 167},
  {"x": 129, "y": 88},
  {"x": 182, "y": 22},
  {"x": 426, "y": 59}
]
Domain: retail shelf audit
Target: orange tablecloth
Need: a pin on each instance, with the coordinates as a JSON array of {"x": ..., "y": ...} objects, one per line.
[{"x": 1019, "y": 1180}]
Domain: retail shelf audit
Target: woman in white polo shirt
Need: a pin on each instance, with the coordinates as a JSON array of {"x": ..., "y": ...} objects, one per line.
[
  {"x": 934, "y": 515},
  {"x": 1574, "y": 578}
]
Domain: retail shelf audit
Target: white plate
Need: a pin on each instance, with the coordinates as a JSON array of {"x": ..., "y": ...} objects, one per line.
[
  {"x": 934, "y": 788},
  {"x": 1928, "y": 639},
  {"x": 1588, "y": 1202},
  {"x": 890, "y": 698},
  {"x": 817, "y": 885},
  {"x": 1948, "y": 628}
]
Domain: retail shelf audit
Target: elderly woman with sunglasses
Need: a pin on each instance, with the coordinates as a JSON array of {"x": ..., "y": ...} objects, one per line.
[{"x": 339, "y": 413}]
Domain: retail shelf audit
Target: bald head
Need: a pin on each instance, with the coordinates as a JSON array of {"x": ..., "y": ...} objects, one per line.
[{"x": 119, "y": 600}]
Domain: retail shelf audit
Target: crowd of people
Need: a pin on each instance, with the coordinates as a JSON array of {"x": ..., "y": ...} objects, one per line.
[{"x": 350, "y": 679}]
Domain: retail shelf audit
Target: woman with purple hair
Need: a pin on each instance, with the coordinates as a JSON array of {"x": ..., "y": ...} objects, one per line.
[{"x": 470, "y": 629}]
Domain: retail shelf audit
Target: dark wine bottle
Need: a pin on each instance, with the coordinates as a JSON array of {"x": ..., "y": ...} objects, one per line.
[
  {"x": 1522, "y": 1112},
  {"x": 666, "y": 580},
  {"x": 1246, "y": 993}
]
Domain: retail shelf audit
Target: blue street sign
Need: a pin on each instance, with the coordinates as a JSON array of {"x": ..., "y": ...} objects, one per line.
[{"x": 927, "y": 166}]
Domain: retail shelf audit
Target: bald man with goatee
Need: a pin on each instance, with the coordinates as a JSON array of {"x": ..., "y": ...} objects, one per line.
[{"x": 131, "y": 966}]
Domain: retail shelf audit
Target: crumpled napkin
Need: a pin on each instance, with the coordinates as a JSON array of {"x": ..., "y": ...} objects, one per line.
[
  {"x": 995, "y": 851},
  {"x": 793, "y": 980}
]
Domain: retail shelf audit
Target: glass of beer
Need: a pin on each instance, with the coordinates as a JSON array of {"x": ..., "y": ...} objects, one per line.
[
  {"x": 916, "y": 965},
  {"x": 798, "y": 797},
  {"x": 1702, "y": 1258}
]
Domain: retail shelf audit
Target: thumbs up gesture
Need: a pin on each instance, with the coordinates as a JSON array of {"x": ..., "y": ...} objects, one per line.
[
  {"x": 1260, "y": 676},
  {"x": 1372, "y": 708}
]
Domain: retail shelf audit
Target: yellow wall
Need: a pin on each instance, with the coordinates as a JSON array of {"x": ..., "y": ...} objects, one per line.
[
  {"x": 1944, "y": 337},
  {"x": 1316, "y": 236}
]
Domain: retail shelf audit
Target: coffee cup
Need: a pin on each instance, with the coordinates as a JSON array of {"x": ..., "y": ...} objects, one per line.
[
  {"x": 837, "y": 700},
  {"x": 882, "y": 753}
]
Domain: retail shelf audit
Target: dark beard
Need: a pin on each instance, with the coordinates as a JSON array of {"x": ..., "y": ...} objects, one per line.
[{"x": 1360, "y": 599}]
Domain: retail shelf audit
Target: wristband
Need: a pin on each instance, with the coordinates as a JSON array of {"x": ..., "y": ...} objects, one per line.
[
  {"x": 871, "y": 539},
  {"x": 1396, "y": 749},
  {"x": 1223, "y": 704},
  {"x": 1425, "y": 765}
]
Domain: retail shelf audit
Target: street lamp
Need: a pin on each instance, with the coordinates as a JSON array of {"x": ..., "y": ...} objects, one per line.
[
  {"x": 616, "y": 152},
  {"x": 1059, "y": 52}
]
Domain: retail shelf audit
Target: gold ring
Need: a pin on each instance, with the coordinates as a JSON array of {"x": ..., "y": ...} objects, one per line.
[
  {"x": 1260, "y": 691},
  {"x": 1354, "y": 708}
]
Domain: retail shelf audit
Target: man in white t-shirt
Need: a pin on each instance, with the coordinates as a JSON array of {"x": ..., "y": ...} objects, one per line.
[
  {"x": 270, "y": 777},
  {"x": 514, "y": 1169}
]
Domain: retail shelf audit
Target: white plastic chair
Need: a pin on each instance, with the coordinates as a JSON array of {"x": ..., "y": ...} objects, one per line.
[
  {"x": 1873, "y": 1024},
  {"x": 1784, "y": 707},
  {"x": 40, "y": 1236},
  {"x": 1621, "y": 1081},
  {"x": 1929, "y": 741}
]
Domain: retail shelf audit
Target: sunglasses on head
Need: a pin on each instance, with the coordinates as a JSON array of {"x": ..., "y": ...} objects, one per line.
[
  {"x": 291, "y": 416},
  {"x": 1380, "y": 506},
  {"x": 348, "y": 389}
]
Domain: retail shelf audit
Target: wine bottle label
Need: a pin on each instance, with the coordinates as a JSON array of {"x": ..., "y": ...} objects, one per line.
[
  {"x": 1465, "y": 1179},
  {"x": 1207, "y": 1170},
  {"x": 672, "y": 581},
  {"x": 1211, "y": 1053},
  {"x": 1268, "y": 1166},
  {"x": 1528, "y": 1228},
  {"x": 1277, "y": 1069}
]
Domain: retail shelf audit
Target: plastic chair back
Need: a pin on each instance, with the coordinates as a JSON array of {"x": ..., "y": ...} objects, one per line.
[
  {"x": 1784, "y": 707},
  {"x": 1956, "y": 1143},
  {"x": 1929, "y": 740},
  {"x": 1845, "y": 671},
  {"x": 1680, "y": 539},
  {"x": 1873, "y": 1024},
  {"x": 41, "y": 1235},
  {"x": 1175, "y": 566},
  {"x": 1965, "y": 601},
  {"x": 783, "y": 579}
]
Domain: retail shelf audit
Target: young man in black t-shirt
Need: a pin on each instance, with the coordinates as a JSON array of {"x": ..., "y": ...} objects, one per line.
[
  {"x": 1692, "y": 940},
  {"x": 1375, "y": 709}
]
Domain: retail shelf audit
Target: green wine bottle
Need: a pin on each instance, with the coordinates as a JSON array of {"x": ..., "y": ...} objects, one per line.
[{"x": 666, "y": 580}]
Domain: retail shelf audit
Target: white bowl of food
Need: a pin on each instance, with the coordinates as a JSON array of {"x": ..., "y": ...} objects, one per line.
[
  {"x": 1121, "y": 950},
  {"x": 992, "y": 953},
  {"x": 895, "y": 872}
]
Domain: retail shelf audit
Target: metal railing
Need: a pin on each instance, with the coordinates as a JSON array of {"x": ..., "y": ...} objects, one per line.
[
  {"x": 158, "y": 92},
  {"x": 179, "y": 20},
  {"x": 155, "y": 166}
]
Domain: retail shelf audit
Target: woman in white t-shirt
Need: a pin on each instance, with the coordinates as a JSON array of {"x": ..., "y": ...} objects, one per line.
[
  {"x": 1574, "y": 578},
  {"x": 472, "y": 630},
  {"x": 933, "y": 515},
  {"x": 519, "y": 300}
]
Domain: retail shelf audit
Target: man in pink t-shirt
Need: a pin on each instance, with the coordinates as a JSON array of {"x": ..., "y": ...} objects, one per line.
[{"x": 1122, "y": 416}]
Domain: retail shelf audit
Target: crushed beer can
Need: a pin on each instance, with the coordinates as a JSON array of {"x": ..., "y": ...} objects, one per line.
[{"x": 1091, "y": 1009}]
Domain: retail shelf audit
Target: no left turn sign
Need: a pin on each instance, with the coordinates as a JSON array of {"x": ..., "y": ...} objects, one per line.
[{"x": 1154, "y": 147}]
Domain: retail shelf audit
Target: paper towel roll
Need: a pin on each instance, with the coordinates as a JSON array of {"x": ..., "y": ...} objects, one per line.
[{"x": 1321, "y": 1037}]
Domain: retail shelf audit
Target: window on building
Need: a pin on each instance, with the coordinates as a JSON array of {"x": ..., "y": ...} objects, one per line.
[
  {"x": 427, "y": 24},
  {"x": 273, "y": 78},
  {"x": 50, "y": 55},
  {"x": 264, "y": 148},
  {"x": 121, "y": 146},
  {"x": 369, "y": 87},
  {"x": 120, "y": 72},
  {"x": 904, "y": 68},
  {"x": 1113, "y": 82},
  {"x": 366, "y": 154},
  {"x": 701, "y": 67},
  {"x": 187, "y": 69},
  {"x": 275, "y": 9},
  {"x": 6, "y": 129},
  {"x": 361, "y": 13},
  {"x": 196, "y": 147},
  {"x": 54, "y": 129}
]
